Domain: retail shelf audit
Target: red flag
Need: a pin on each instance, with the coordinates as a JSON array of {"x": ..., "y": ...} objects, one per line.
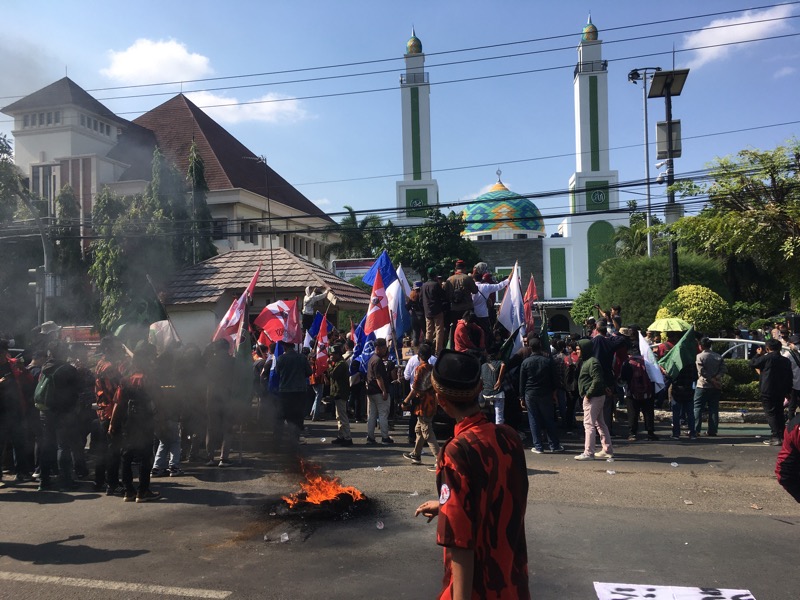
[
  {"x": 321, "y": 356},
  {"x": 233, "y": 323},
  {"x": 280, "y": 322},
  {"x": 378, "y": 311},
  {"x": 531, "y": 296}
]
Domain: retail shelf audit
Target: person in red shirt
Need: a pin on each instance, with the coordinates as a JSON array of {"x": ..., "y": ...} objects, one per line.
[
  {"x": 108, "y": 451},
  {"x": 483, "y": 493},
  {"x": 787, "y": 467},
  {"x": 469, "y": 336}
]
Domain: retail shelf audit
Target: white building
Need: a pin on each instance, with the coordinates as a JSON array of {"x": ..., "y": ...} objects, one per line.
[{"x": 62, "y": 135}]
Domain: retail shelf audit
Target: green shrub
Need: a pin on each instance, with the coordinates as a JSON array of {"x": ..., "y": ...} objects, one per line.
[
  {"x": 583, "y": 306},
  {"x": 639, "y": 284},
  {"x": 743, "y": 392},
  {"x": 698, "y": 305},
  {"x": 740, "y": 371}
]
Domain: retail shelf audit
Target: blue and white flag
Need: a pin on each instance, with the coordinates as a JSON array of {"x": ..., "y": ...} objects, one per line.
[
  {"x": 397, "y": 293},
  {"x": 274, "y": 382},
  {"x": 313, "y": 331},
  {"x": 363, "y": 350},
  {"x": 384, "y": 265}
]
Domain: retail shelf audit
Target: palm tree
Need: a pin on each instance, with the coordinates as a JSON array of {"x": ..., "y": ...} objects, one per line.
[{"x": 356, "y": 238}]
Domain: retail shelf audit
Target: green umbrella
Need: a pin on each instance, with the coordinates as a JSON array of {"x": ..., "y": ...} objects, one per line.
[{"x": 669, "y": 324}]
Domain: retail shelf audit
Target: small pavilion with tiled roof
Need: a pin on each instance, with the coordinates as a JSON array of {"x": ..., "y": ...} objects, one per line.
[{"x": 198, "y": 296}]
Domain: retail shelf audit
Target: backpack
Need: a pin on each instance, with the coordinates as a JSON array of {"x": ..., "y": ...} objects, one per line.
[
  {"x": 140, "y": 411},
  {"x": 639, "y": 385},
  {"x": 46, "y": 396}
]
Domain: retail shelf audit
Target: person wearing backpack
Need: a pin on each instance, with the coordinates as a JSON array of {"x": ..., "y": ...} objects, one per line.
[
  {"x": 133, "y": 418},
  {"x": 422, "y": 400},
  {"x": 56, "y": 396},
  {"x": 641, "y": 394}
]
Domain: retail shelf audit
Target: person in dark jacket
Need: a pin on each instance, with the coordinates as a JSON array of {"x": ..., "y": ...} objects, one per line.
[
  {"x": 775, "y": 385},
  {"x": 604, "y": 347},
  {"x": 538, "y": 380},
  {"x": 433, "y": 301},
  {"x": 59, "y": 422},
  {"x": 14, "y": 383},
  {"x": 133, "y": 421},
  {"x": 293, "y": 371},
  {"x": 787, "y": 467}
]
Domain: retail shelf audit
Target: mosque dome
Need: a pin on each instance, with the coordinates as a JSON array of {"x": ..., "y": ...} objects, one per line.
[
  {"x": 590, "y": 31},
  {"x": 501, "y": 210},
  {"x": 413, "y": 45}
]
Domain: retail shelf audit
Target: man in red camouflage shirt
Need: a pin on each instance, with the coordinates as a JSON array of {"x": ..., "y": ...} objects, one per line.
[
  {"x": 787, "y": 467},
  {"x": 483, "y": 492}
]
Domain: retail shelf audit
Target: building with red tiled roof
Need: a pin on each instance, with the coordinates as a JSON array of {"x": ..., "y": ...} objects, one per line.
[{"x": 65, "y": 136}]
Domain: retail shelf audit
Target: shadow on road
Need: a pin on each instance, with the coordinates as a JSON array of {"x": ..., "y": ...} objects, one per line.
[{"x": 59, "y": 553}]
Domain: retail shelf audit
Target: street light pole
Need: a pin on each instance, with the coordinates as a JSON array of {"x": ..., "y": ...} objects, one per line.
[
  {"x": 667, "y": 84},
  {"x": 633, "y": 77}
]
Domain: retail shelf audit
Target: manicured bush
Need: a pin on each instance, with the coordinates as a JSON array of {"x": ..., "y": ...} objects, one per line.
[
  {"x": 698, "y": 305},
  {"x": 740, "y": 371}
]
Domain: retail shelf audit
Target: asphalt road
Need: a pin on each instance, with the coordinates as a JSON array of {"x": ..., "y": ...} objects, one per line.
[{"x": 718, "y": 519}]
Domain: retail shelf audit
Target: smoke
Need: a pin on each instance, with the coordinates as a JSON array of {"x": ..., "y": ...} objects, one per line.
[{"x": 26, "y": 68}]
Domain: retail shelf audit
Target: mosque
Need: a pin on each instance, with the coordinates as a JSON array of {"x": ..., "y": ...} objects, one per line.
[{"x": 508, "y": 227}]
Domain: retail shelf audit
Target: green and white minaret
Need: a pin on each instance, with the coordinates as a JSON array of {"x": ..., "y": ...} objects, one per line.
[
  {"x": 418, "y": 189},
  {"x": 593, "y": 185}
]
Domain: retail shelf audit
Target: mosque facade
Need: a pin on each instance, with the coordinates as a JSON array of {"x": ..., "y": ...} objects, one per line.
[{"x": 508, "y": 228}]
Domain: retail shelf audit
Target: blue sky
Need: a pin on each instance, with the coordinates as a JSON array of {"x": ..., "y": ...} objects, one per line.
[{"x": 522, "y": 124}]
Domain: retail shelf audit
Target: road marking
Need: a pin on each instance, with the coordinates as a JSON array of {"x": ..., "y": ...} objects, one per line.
[{"x": 115, "y": 585}]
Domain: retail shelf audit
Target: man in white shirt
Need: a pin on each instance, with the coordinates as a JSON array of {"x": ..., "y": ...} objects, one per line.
[{"x": 480, "y": 308}]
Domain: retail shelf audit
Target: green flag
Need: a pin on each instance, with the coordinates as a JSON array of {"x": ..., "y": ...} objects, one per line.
[
  {"x": 681, "y": 354},
  {"x": 510, "y": 346},
  {"x": 543, "y": 335}
]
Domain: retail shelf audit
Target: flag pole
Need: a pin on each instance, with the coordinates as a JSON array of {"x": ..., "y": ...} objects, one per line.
[{"x": 161, "y": 304}]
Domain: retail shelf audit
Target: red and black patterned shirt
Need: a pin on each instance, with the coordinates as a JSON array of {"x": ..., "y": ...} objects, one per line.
[{"x": 483, "y": 492}]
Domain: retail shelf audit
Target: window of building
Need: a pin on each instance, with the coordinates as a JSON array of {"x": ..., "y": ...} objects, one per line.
[
  {"x": 57, "y": 116},
  {"x": 26, "y": 121},
  {"x": 41, "y": 118},
  {"x": 520, "y": 236},
  {"x": 94, "y": 124},
  {"x": 83, "y": 120},
  {"x": 294, "y": 245},
  {"x": 253, "y": 234},
  {"x": 219, "y": 229},
  {"x": 485, "y": 238},
  {"x": 316, "y": 250},
  {"x": 49, "y": 118},
  {"x": 43, "y": 184},
  {"x": 243, "y": 232},
  {"x": 285, "y": 241}
]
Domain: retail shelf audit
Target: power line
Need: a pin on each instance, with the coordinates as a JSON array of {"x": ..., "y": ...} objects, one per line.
[{"x": 444, "y": 52}]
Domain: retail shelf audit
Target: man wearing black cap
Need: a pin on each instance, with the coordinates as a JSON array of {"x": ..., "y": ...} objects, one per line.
[{"x": 483, "y": 491}]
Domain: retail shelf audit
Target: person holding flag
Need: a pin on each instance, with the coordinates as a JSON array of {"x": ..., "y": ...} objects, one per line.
[
  {"x": 235, "y": 320},
  {"x": 480, "y": 302}
]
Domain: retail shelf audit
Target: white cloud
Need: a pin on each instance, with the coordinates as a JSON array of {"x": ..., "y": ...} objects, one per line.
[
  {"x": 270, "y": 108},
  {"x": 149, "y": 61},
  {"x": 740, "y": 29},
  {"x": 322, "y": 202},
  {"x": 784, "y": 72}
]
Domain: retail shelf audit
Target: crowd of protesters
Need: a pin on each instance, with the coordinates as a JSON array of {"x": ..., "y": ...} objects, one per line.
[{"x": 156, "y": 411}]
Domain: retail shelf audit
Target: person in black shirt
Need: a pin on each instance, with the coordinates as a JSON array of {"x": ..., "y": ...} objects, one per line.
[{"x": 775, "y": 384}]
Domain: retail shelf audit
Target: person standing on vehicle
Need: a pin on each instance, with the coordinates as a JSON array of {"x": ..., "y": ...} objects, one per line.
[
  {"x": 458, "y": 290},
  {"x": 433, "y": 302},
  {"x": 483, "y": 492}
]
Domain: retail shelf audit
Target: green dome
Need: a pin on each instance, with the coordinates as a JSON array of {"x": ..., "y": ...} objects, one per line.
[
  {"x": 589, "y": 32},
  {"x": 413, "y": 45},
  {"x": 500, "y": 208}
]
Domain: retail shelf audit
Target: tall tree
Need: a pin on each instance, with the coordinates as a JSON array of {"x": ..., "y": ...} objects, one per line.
[
  {"x": 357, "y": 239},
  {"x": 438, "y": 242},
  {"x": 143, "y": 235},
  {"x": 203, "y": 245},
  {"x": 751, "y": 221}
]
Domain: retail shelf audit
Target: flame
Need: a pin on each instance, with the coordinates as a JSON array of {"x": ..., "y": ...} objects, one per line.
[{"x": 319, "y": 487}]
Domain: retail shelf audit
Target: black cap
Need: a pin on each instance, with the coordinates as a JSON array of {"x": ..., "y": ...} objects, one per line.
[{"x": 457, "y": 374}]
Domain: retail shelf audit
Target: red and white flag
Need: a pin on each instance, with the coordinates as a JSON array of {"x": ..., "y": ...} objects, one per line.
[
  {"x": 233, "y": 322},
  {"x": 531, "y": 296},
  {"x": 281, "y": 322},
  {"x": 378, "y": 311},
  {"x": 321, "y": 351}
]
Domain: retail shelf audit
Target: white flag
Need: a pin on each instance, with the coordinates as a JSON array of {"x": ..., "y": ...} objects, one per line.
[
  {"x": 650, "y": 363},
  {"x": 512, "y": 310}
]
